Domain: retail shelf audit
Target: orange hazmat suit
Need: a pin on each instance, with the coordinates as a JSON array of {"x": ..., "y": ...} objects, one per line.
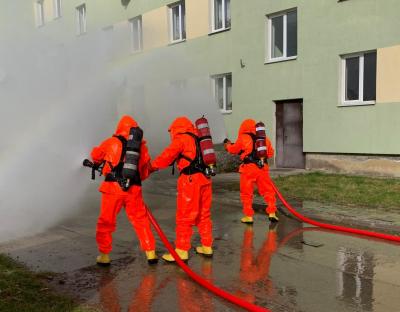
[
  {"x": 114, "y": 198},
  {"x": 194, "y": 190},
  {"x": 250, "y": 173}
]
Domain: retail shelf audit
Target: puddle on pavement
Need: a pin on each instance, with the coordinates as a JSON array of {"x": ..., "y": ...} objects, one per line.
[{"x": 286, "y": 267}]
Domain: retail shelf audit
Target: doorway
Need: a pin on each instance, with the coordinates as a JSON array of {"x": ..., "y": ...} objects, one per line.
[{"x": 289, "y": 134}]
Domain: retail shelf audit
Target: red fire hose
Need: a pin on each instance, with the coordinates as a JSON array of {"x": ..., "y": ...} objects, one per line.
[
  {"x": 333, "y": 227},
  {"x": 235, "y": 300},
  {"x": 198, "y": 279}
]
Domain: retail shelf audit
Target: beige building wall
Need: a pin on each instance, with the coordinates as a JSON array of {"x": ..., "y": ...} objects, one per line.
[
  {"x": 197, "y": 18},
  {"x": 388, "y": 78},
  {"x": 155, "y": 28}
]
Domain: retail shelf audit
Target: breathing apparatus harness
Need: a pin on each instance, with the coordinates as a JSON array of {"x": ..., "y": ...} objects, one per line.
[
  {"x": 197, "y": 164},
  {"x": 117, "y": 172},
  {"x": 126, "y": 173},
  {"x": 252, "y": 158}
]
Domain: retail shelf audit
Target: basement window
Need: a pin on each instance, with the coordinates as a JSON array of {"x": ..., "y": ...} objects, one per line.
[
  {"x": 359, "y": 79},
  {"x": 221, "y": 15},
  {"x": 136, "y": 33},
  {"x": 177, "y": 22},
  {"x": 81, "y": 19},
  {"x": 222, "y": 87}
]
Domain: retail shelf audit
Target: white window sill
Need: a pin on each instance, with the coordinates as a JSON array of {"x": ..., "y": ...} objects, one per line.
[
  {"x": 226, "y": 112},
  {"x": 217, "y": 31},
  {"x": 356, "y": 103},
  {"x": 176, "y": 42},
  {"x": 281, "y": 59}
]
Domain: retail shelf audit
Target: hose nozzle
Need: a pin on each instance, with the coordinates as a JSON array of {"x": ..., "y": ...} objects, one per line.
[{"x": 88, "y": 163}]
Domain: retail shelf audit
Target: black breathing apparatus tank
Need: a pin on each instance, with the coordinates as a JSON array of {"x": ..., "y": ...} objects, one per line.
[{"x": 130, "y": 169}]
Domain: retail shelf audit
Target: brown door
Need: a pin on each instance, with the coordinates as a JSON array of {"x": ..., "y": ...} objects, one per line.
[{"x": 289, "y": 134}]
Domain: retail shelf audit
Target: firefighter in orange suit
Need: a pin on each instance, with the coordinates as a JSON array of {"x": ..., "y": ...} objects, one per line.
[
  {"x": 194, "y": 190},
  {"x": 111, "y": 152},
  {"x": 251, "y": 172}
]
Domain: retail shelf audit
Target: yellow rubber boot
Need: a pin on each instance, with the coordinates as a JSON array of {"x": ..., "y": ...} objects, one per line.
[
  {"x": 183, "y": 254},
  {"x": 103, "y": 259},
  {"x": 205, "y": 251},
  {"x": 247, "y": 219},
  {"x": 272, "y": 217},
  {"x": 151, "y": 257}
]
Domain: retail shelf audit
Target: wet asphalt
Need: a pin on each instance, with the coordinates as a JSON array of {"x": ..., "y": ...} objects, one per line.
[{"x": 284, "y": 267}]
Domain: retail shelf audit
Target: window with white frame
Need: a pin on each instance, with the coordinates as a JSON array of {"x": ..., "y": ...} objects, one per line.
[
  {"x": 136, "y": 33},
  {"x": 359, "y": 78},
  {"x": 177, "y": 21},
  {"x": 57, "y": 8},
  {"x": 222, "y": 85},
  {"x": 81, "y": 19},
  {"x": 39, "y": 10},
  {"x": 221, "y": 14},
  {"x": 282, "y": 38}
]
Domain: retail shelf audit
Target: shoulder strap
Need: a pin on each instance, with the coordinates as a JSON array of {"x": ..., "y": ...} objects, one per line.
[
  {"x": 124, "y": 143},
  {"x": 118, "y": 168},
  {"x": 253, "y": 137},
  {"x": 196, "y": 140}
]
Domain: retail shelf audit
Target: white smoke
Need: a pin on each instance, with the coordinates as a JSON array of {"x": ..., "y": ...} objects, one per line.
[{"x": 59, "y": 99}]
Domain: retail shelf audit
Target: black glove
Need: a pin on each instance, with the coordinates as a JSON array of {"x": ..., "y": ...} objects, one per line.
[{"x": 226, "y": 141}]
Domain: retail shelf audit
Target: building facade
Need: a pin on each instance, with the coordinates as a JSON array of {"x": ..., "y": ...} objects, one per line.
[{"x": 322, "y": 74}]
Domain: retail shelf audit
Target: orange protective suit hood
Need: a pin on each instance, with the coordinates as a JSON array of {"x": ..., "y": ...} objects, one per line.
[
  {"x": 248, "y": 126},
  {"x": 124, "y": 126},
  {"x": 181, "y": 125}
]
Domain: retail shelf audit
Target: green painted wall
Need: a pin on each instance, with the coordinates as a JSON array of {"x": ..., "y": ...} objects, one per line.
[{"x": 326, "y": 30}]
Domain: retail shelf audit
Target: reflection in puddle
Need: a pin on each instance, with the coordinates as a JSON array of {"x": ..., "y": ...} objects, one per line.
[
  {"x": 267, "y": 266},
  {"x": 355, "y": 278}
]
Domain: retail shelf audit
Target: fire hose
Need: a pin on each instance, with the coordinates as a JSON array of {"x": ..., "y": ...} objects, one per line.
[
  {"x": 331, "y": 226},
  {"x": 229, "y": 297},
  {"x": 235, "y": 300},
  {"x": 197, "y": 278}
]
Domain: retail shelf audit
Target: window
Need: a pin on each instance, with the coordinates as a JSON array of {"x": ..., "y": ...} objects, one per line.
[
  {"x": 57, "y": 8},
  {"x": 136, "y": 33},
  {"x": 282, "y": 36},
  {"x": 39, "y": 13},
  {"x": 221, "y": 13},
  {"x": 359, "y": 78},
  {"x": 222, "y": 85},
  {"x": 81, "y": 19},
  {"x": 177, "y": 22}
]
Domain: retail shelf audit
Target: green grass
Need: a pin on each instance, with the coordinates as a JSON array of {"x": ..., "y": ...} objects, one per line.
[
  {"x": 22, "y": 290},
  {"x": 342, "y": 189}
]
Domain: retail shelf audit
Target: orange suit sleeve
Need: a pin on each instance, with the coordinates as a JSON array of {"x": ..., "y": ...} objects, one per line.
[
  {"x": 109, "y": 151},
  {"x": 144, "y": 161},
  {"x": 243, "y": 146},
  {"x": 169, "y": 155}
]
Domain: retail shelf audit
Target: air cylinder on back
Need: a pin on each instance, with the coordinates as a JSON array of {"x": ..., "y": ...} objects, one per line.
[
  {"x": 131, "y": 163},
  {"x": 206, "y": 143},
  {"x": 261, "y": 144}
]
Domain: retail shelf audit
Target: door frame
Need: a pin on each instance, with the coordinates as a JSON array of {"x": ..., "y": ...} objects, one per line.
[{"x": 279, "y": 147}]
